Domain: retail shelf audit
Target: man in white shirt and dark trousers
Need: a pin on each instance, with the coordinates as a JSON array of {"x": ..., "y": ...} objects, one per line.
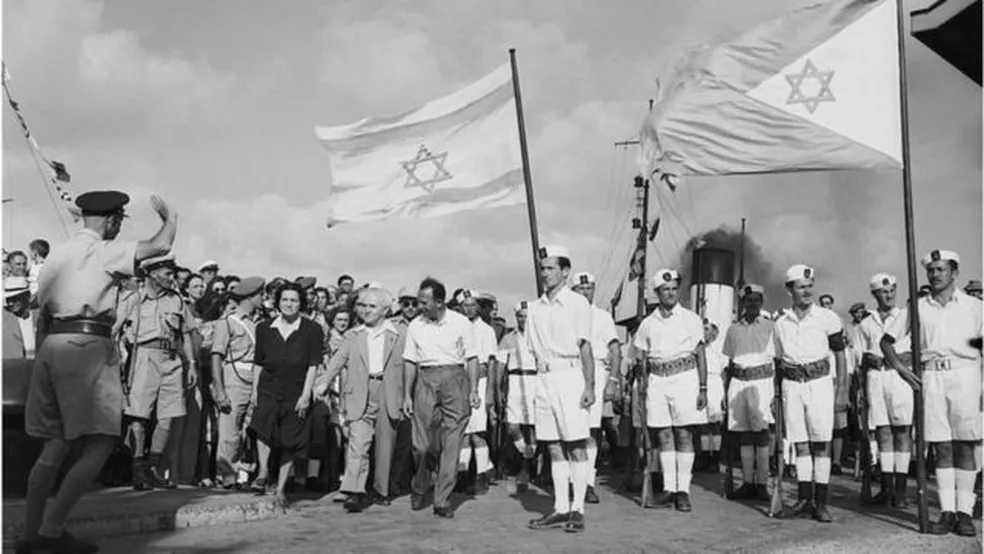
[
  {"x": 608, "y": 354},
  {"x": 670, "y": 342},
  {"x": 805, "y": 336},
  {"x": 559, "y": 332},
  {"x": 951, "y": 386}
]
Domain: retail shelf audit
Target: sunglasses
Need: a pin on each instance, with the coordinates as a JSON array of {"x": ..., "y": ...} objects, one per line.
[{"x": 407, "y": 303}]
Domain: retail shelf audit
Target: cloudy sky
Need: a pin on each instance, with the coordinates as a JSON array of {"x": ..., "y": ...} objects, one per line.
[{"x": 212, "y": 105}]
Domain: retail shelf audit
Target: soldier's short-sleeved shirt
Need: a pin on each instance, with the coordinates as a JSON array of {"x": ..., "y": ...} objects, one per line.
[
  {"x": 517, "y": 351},
  {"x": 945, "y": 329},
  {"x": 448, "y": 341},
  {"x": 234, "y": 338},
  {"x": 668, "y": 338},
  {"x": 80, "y": 278},
  {"x": 556, "y": 326},
  {"x": 750, "y": 344},
  {"x": 873, "y": 328},
  {"x": 801, "y": 341},
  {"x": 603, "y": 332},
  {"x": 485, "y": 343},
  {"x": 164, "y": 315}
]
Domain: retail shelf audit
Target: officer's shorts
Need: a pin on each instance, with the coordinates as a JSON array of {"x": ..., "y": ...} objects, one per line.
[
  {"x": 558, "y": 411},
  {"x": 157, "y": 385},
  {"x": 953, "y": 403},
  {"x": 478, "y": 423},
  {"x": 809, "y": 409},
  {"x": 890, "y": 399},
  {"x": 519, "y": 404}
]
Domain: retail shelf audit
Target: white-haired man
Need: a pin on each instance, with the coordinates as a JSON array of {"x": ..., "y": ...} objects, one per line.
[
  {"x": 951, "y": 385},
  {"x": 670, "y": 342},
  {"x": 805, "y": 336}
]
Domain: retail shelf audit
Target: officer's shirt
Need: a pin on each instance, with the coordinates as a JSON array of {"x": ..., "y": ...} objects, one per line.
[
  {"x": 750, "y": 344},
  {"x": 80, "y": 277},
  {"x": 873, "y": 328},
  {"x": 801, "y": 341},
  {"x": 671, "y": 337},
  {"x": 603, "y": 333},
  {"x": 162, "y": 316},
  {"x": 234, "y": 338},
  {"x": 946, "y": 329},
  {"x": 485, "y": 343},
  {"x": 516, "y": 350},
  {"x": 448, "y": 341},
  {"x": 556, "y": 326}
]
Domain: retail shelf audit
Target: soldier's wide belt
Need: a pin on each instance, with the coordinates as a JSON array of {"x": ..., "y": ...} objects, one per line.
[
  {"x": 806, "y": 372},
  {"x": 522, "y": 372},
  {"x": 671, "y": 367},
  {"x": 944, "y": 364},
  {"x": 80, "y": 327},
  {"x": 877, "y": 363},
  {"x": 754, "y": 373},
  {"x": 159, "y": 344}
]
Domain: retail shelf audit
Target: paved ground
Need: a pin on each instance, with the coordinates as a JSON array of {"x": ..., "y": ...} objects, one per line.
[{"x": 497, "y": 521}]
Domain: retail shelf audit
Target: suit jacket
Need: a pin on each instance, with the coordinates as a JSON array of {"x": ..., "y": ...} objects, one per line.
[
  {"x": 13, "y": 340},
  {"x": 353, "y": 356}
]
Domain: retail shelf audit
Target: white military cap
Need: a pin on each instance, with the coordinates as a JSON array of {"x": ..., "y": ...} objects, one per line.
[
  {"x": 522, "y": 305},
  {"x": 584, "y": 278},
  {"x": 465, "y": 294},
  {"x": 937, "y": 255},
  {"x": 800, "y": 272},
  {"x": 882, "y": 280},
  {"x": 554, "y": 251},
  {"x": 208, "y": 264},
  {"x": 752, "y": 288},
  {"x": 407, "y": 292},
  {"x": 15, "y": 286},
  {"x": 665, "y": 276},
  {"x": 157, "y": 260}
]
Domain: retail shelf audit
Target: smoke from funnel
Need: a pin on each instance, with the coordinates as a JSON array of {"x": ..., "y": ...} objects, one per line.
[{"x": 758, "y": 269}]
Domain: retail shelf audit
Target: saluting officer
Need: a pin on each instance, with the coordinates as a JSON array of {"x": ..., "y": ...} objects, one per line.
[
  {"x": 559, "y": 332},
  {"x": 75, "y": 392},
  {"x": 608, "y": 354},
  {"x": 749, "y": 346},
  {"x": 951, "y": 385},
  {"x": 890, "y": 398},
  {"x": 670, "y": 342},
  {"x": 157, "y": 323},
  {"x": 520, "y": 390},
  {"x": 805, "y": 336}
]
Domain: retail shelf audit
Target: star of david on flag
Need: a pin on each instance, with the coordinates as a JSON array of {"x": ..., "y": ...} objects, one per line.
[{"x": 425, "y": 157}]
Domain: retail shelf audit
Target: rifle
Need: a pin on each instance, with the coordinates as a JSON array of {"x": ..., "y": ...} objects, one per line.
[
  {"x": 126, "y": 372},
  {"x": 727, "y": 448},
  {"x": 777, "y": 508},
  {"x": 647, "y": 447},
  {"x": 861, "y": 403}
]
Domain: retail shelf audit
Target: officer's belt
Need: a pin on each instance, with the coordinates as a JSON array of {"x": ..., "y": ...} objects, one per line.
[
  {"x": 877, "y": 363},
  {"x": 81, "y": 327},
  {"x": 158, "y": 344},
  {"x": 754, "y": 373},
  {"x": 671, "y": 367},
  {"x": 522, "y": 372},
  {"x": 946, "y": 364},
  {"x": 805, "y": 372},
  {"x": 441, "y": 366}
]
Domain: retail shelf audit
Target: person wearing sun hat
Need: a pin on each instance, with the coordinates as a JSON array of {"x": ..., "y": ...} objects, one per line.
[
  {"x": 950, "y": 383},
  {"x": 18, "y": 324},
  {"x": 812, "y": 391}
]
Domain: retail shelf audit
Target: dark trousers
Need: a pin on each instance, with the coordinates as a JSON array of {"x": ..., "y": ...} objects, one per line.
[
  {"x": 401, "y": 471},
  {"x": 440, "y": 392}
]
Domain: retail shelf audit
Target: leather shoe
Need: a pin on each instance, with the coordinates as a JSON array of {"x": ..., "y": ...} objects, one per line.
[
  {"x": 883, "y": 498},
  {"x": 946, "y": 523},
  {"x": 590, "y": 496},
  {"x": 802, "y": 509},
  {"x": 447, "y": 512},
  {"x": 417, "y": 502},
  {"x": 550, "y": 521},
  {"x": 965, "y": 525},
  {"x": 746, "y": 491},
  {"x": 576, "y": 523},
  {"x": 761, "y": 494},
  {"x": 661, "y": 499},
  {"x": 357, "y": 503},
  {"x": 683, "y": 502},
  {"x": 821, "y": 514}
]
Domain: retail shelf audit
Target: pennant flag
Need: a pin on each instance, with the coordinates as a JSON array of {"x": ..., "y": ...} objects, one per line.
[
  {"x": 60, "y": 172},
  {"x": 460, "y": 152},
  {"x": 816, "y": 89}
]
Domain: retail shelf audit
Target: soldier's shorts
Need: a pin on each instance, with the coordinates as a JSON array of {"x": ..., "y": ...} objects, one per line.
[
  {"x": 157, "y": 385},
  {"x": 519, "y": 404},
  {"x": 601, "y": 382},
  {"x": 750, "y": 404},
  {"x": 890, "y": 399},
  {"x": 715, "y": 395},
  {"x": 558, "y": 411},
  {"x": 809, "y": 409},
  {"x": 672, "y": 401},
  {"x": 478, "y": 423},
  {"x": 953, "y": 402},
  {"x": 75, "y": 388}
]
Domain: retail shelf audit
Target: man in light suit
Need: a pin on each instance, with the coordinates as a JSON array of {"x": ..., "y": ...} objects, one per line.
[
  {"x": 19, "y": 324},
  {"x": 372, "y": 389}
]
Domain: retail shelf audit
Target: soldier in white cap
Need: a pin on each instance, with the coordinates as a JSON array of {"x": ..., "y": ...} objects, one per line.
[
  {"x": 208, "y": 270},
  {"x": 559, "y": 332},
  {"x": 521, "y": 386},
  {"x": 951, "y": 385},
  {"x": 805, "y": 335},
  {"x": 749, "y": 346},
  {"x": 670, "y": 342},
  {"x": 890, "y": 398},
  {"x": 475, "y": 434},
  {"x": 607, "y": 351},
  {"x": 157, "y": 323}
]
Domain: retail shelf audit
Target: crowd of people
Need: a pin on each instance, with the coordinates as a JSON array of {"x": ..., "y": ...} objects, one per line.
[{"x": 245, "y": 383}]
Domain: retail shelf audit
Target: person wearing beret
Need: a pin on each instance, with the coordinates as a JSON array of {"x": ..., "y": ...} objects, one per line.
[
  {"x": 76, "y": 395},
  {"x": 806, "y": 335},
  {"x": 950, "y": 383}
]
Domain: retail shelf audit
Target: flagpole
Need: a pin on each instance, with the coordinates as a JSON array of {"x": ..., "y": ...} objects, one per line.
[
  {"x": 527, "y": 174},
  {"x": 910, "y": 250}
]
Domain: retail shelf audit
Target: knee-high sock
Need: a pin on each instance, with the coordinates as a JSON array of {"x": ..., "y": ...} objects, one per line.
[
  {"x": 705, "y": 443},
  {"x": 873, "y": 444},
  {"x": 482, "y": 462},
  {"x": 747, "y": 463},
  {"x": 902, "y": 462},
  {"x": 946, "y": 485},
  {"x": 821, "y": 470},
  {"x": 592, "y": 458},
  {"x": 804, "y": 469},
  {"x": 685, "y": 466},
  {"x": 887, "y": 462},
  {"x": 314, "y": 469},
  {"x": 39, "y": 485},
  {"x": 579, "y": 476},
  {"x": 668, "y": 461},
  {"x": 762, "y": 465},
  {"x": 560, "y": 472},
  {"x": 965, "y": 490},
  {"x": 464, "y": 457},
  {"x": 716, "y": 442}
]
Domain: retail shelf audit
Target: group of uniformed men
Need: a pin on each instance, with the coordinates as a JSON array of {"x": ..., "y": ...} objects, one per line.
[{"x": 443, "y": 368}]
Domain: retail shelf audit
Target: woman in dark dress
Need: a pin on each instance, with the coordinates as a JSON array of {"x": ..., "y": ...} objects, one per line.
[{"x": 288, "y": 351}]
